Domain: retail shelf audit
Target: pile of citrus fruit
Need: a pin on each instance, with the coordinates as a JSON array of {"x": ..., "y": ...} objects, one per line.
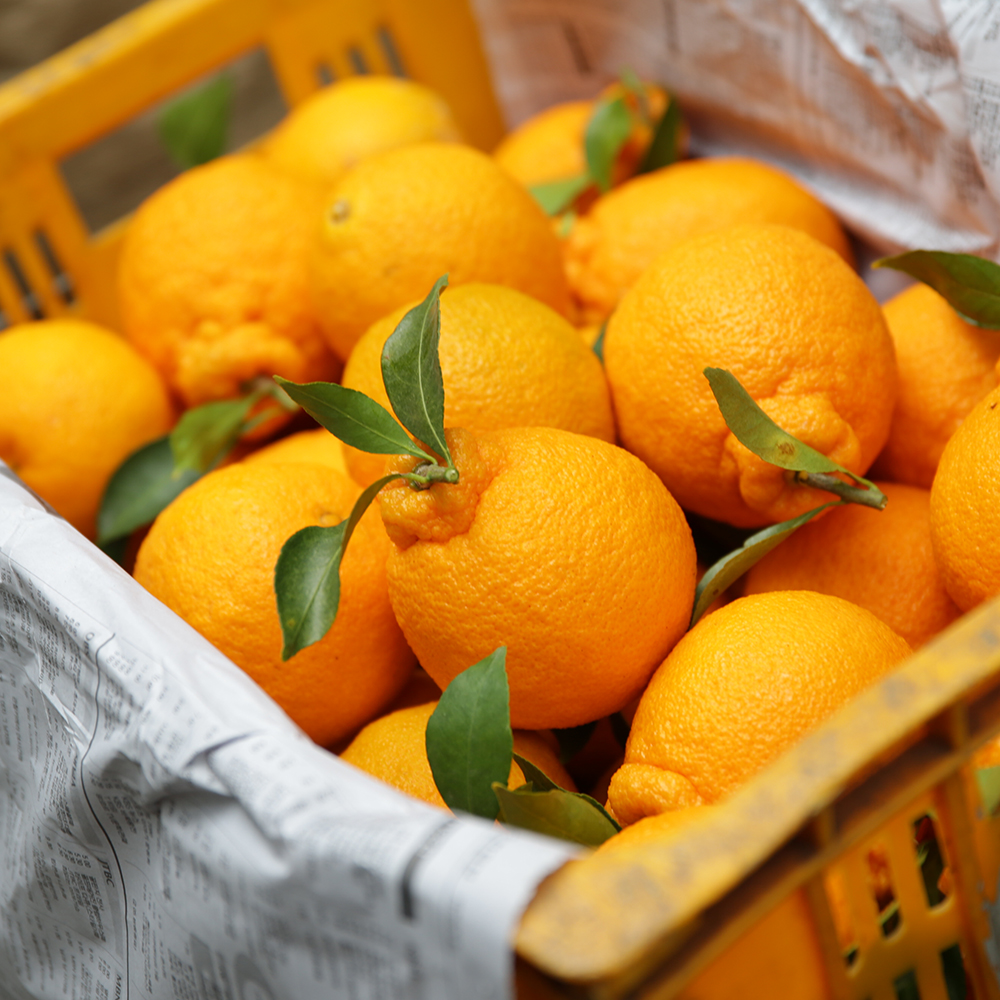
[{"x": 566, "y": 470}]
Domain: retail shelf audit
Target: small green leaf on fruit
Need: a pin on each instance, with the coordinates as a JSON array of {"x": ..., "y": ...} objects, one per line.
[
  {"x": 139, "y": 489},
  {"x": 988, "y": 779},
  {"x": 607, "y": 132},
  {"x": 573, "y": 740},
  {"x": 732, "y": 566},
  {"x": 411, "y": 371},
  {"x": 307, "y": 576},
  {"x": 970, "y": 284},
  {"x": 555, "y": 197},
  {"x": 469, "y": 740},
  {"x": 205, "y": 434},
  {"x": 194, "y": 128},
  {"x": 353, "y": 418},
  {"x": 555, "y": 813},
  {"x": 755, "y": 430},
  {"x": 665, "y": 146}
]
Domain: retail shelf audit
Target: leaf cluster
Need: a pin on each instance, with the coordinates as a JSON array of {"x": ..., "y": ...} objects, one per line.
[
  {"x": 307, "y": 574},
  {"x": 194, "y": 128},
  {"x": 608, "y": 129},
  {"x": 469, "y": 745}
]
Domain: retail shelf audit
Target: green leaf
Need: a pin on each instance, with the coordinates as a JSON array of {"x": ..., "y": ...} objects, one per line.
[
  {"x": 970, "y": 284},
  {"x": 732, "y": 566},
  {"x": 469, "y": 740},
  {"x": 599, "y": 342},
  {"x": 665, "y": 146},
  {"x": 139, "y": 489},
  {"x": 411, "y": 371},
  {"x": 631, "y": 82},
  {"x": 194, "y": 128},
  {"x": 534, "y": 775},
  {"x": 555, "y": 813},
  {"x": 206, "y": 434},
  {"x": 607, "y": 131},
  {"x": 353, "y": 417},
  {"x": 307, "y": 576},
  {"x": 754, "y": 429},
  {"x": 555, "y": 197},
  {"x": 988, "y": 779},
  {"x": 573, "y": 740}
]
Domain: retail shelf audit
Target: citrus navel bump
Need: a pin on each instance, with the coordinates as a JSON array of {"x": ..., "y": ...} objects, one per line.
[{"x": 563, "y": 548}]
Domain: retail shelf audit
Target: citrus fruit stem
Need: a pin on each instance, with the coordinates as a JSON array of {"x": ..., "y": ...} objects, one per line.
[
  {"x": 425, "y": 475},
  {"x": 870, "y": 497}
]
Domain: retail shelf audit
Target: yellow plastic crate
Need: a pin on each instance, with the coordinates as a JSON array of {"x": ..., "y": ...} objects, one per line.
[{"x": 681, "y": 918}]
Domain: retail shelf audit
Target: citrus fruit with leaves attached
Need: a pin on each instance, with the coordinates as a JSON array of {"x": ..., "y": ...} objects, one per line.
[
  {"x": 392, "y": 749},
  {"x": 78, "y": 400},
  {"x": 564, "y": 548},
  {"x": 747, "y": 682},
  {"x": 318, "y": 447},
  {"x": 610, "y": 246},
  {"x": 965, "y": 507},
  {"x": 507, "y": 360},
  {"x": 210, "y": 558},
  {"x": 793, "y": 323},
  {"x": 399, "y": 220},
  {"x": 880, "y": 560},
  {"x": 945, "y": 367},
  {"x": 347, "y": 121},
  {"x": 213, "y": 280}
]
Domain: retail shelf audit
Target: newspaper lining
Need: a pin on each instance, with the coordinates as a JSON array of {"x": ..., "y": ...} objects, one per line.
[{"x": 169, "y": 833}]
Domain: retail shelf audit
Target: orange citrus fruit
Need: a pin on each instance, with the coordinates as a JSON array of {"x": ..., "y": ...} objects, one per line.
[
  {"x": 793, "y": 323},
  {"x": 393, "y": 749},
  {"x": 965, "y": 507},
  {"x": 77, "y": 401},
  {"x": 210, "y": 557},
  {"x": 342, "y": 124},
  {"x": 743, "y": 685},
  {"x": 507, "y": 360},
  {"x": 880, "y": 560},
  {"x": 213, "y": 280},
  {"x": 558, "y": 546},
  {"x": 399, "y": 220},
  {"x": 319, "y": 447},
  {"x": 779, "y": 955},
  {"x": 627, "y": 228},
  {"x": 945, "y": 367}
]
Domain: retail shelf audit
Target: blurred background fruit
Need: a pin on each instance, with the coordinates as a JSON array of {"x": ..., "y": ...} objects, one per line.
[
  {"x": 77, "y": 402},
  {"x": 213, "y": 280},
  {"x": 318, "y": 447},
  {"x": 399, "y": 220}
]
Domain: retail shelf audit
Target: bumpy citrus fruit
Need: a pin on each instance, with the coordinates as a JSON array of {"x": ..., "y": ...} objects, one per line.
[
  {"x": 880, "y": 560},
  {"x": 399, "y": 220},
  {"x": 563, "y": 548},
  {"x": 393, "y": 750},
  {"x": 319, "y": 447},
  {"x": 744, "y": 684},
  {"x": 945, "y": 367},
  {"x": 507, "y": 360},
  {"x": 965, "y": 507},
  {"x": 625, "y": 230},
  {"x": 77, "y": 401},
  {"x": 793, "y": 323},
  {"x": 340, "y": 125},
  {"x": 213, "y": 280},
  {"x": 210, "y": 557}
]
